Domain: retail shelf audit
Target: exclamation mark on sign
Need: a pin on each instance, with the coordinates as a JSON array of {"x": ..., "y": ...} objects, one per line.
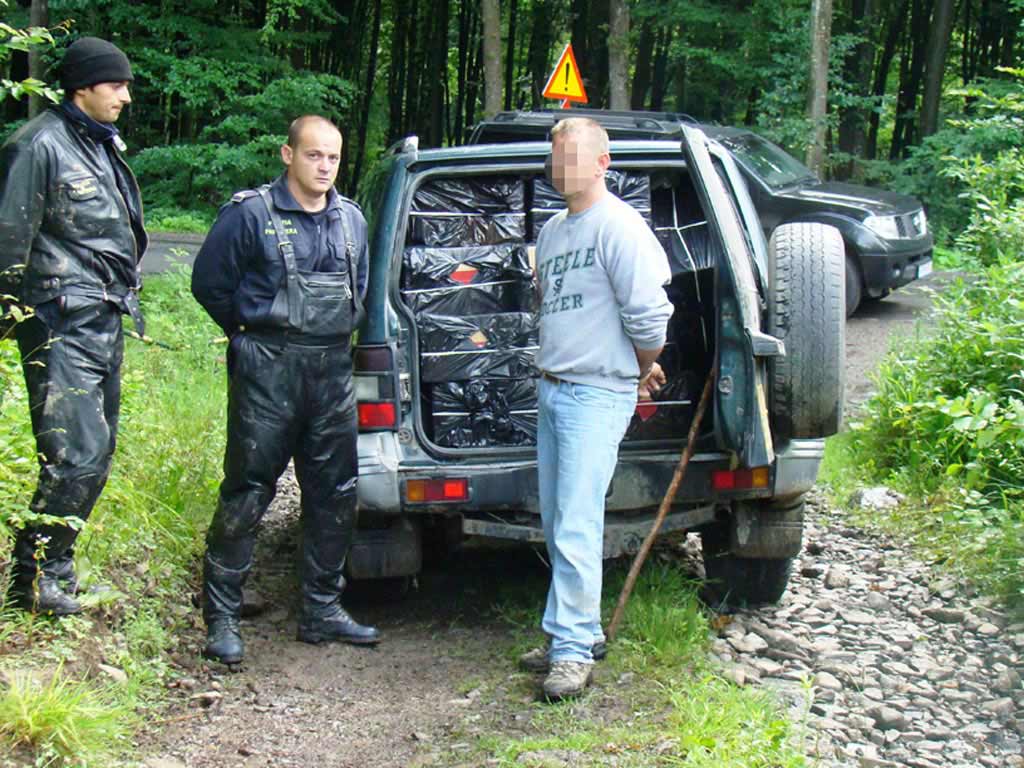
[{"x": 567, "y": 70}]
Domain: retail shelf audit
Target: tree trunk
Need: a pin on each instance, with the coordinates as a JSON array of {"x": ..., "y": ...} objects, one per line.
[
  {"x": 644, "y": 60},
  {"x": 437, "y": 72},
  {"x": 660, "y": 82},
  {"x": 510, "y": 53},
  {"x": 618, "y": 54},
  {"x": 397, "y": 72},
  {"x": 911, "y": 69},
  {"x": 474, "y": 71},
  {"x": 39, "y": 16},
  {"x": 590, "y": 45},
  {"x": 935, "y": 67},
  {"x": 364, "y": 115},
  {"x": 853, "y": 120},
  {"x": 542, "y": 36},
  {"x": 817, "y": 100},
  {"x": 465, "y": 19},
  {"x": 413, "y": 73},
  {"x": 492, "y": 56},
  {"x": 896, "y": 24}
]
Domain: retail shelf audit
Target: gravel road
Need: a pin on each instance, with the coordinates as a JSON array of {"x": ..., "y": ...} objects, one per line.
[{"x": 907, "y": 669}]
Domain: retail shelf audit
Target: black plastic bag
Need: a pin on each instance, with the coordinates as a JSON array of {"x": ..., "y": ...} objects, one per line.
[
  {"x": 515, "y": 363},
  {"x": 477, "y": 194},
  {"x": 485, "y": 412},
  {"x": 428, "y": 268},
  {"x": 454, "y": 348},
  {"x": 455, "y": 229},
  {"x": 446, "y": 333},
  {"x": 689, "y": 249},
  {"x": 486, "y": 298}
]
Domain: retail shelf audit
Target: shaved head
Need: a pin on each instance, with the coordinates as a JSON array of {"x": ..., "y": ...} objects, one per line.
[{"x": 299, "y": 124}]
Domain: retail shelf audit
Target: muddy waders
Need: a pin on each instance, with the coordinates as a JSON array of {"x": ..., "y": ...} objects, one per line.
[
  {"x": 71, "y": 352},
  {"x": 290, "y": 397}
]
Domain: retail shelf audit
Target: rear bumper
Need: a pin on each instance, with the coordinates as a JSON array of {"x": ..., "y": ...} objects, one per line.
[{"x": 500, "y": 486}]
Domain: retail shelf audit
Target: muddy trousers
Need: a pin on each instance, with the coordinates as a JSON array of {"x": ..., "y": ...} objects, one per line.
[
  {"x": 285, "y": 400},
  {"x": 72, "y": 365}
]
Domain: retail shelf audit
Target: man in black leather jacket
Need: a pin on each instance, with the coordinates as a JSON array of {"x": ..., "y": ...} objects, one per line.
[
  {"x": 283, "y": 272},
  {"x": 71, "y": 239}
]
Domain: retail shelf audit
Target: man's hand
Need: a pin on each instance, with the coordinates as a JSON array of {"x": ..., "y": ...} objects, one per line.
[{"x": 651, "y": 382}]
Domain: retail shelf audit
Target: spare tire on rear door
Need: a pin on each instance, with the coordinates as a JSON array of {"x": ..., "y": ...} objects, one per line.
[{"x": 807, "y": 310}]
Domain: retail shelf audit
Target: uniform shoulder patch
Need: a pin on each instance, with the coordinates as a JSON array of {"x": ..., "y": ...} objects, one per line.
[
  {"x": 244, "y": 195},
  {"x": 351, "y": 202}
]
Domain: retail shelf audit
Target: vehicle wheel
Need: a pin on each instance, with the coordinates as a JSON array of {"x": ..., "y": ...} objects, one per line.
[
  {"x": 733, "y": 582},
  {"x": 807, "y": 310},
  {"x": 853, "y": 286}
]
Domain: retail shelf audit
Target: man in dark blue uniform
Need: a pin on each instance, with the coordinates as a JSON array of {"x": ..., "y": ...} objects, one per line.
[{"x": 283, "y": 273}]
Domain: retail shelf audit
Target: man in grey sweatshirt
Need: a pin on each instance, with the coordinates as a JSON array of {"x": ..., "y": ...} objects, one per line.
[{"x": 603, "y": 319}]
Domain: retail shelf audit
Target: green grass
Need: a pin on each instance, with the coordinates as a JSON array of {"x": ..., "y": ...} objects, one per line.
[
  {"x": 60, "y": 721},
  {"x": 174, "y": 220},
  {"x": 143, "y": 538},
  {"x": 660, "y": 701}
]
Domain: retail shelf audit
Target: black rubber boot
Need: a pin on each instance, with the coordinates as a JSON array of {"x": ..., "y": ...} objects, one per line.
[
  {"x": 222, "y": 606},
  {"x": 337, "y": 627},
  {"x": 44, "y": 597},
  {"x": 224, "y": 640}
]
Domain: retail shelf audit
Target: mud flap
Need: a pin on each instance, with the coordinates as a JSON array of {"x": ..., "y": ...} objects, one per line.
[
  {"x": 770, "y": 530},
  {"x": 383, "y": 553}
]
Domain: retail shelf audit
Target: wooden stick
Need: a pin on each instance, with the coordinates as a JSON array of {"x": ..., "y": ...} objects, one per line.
[{"x": 666, "y": 503}]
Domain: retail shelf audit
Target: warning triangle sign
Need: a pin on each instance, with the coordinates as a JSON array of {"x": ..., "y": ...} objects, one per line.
[{"x": 566, "y": 82}]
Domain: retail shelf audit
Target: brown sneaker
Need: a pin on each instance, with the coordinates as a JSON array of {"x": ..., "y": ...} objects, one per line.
[
  {"x": 537, "y": 660},
  {"x": 567, "y": 679}
]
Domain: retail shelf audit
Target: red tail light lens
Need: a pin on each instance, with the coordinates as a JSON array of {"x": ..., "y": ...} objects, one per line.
[
  {"x": 740, "y": 479},
  {"x": 377, "y": 415},
  {"x": 448, "y": 489}
]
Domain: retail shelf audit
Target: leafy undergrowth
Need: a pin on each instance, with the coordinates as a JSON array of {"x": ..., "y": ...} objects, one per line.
[
  {"x": 946, "y": 427},
  {"x": 658, "y": 699},
  {"x": 72, "y": 691}
]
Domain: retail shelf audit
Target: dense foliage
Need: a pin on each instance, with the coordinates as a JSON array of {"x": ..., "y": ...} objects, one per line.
[
  {"x": 218, "y": 82},
  {"x": 947, "y": 420}
]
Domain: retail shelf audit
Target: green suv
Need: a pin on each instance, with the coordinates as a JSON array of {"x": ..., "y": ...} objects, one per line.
[{"x": 446, "y": 384}]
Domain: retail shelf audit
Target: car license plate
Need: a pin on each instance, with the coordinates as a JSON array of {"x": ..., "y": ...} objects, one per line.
[{"x": 925, "y": 269}]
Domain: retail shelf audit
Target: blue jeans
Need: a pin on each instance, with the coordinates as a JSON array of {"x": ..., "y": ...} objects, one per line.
[{"x": 579, "y": 429}]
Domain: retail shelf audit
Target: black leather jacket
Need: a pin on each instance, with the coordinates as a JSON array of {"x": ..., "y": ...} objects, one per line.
[{"x": 62, "y": 216}]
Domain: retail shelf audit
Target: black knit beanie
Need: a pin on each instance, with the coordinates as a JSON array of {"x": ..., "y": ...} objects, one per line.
[{"x": 90, "y": 60}]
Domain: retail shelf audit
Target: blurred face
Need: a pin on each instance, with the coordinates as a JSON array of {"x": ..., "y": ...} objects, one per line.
[
  {"x": 577, "y": 166},
  {"x": 313, "y": 162},
  {"x": 103, "y": 102}
]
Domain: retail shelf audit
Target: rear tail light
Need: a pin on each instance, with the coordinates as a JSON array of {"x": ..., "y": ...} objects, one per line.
[
  {"x": 375, "y": 382},
  {"x": 448, "y": 489},
  {"x": 377, "y": 415},
  {"x": 740, "y": 479}
]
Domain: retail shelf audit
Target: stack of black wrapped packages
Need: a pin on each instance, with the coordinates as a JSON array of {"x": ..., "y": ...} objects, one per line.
[
  {"x": 468, "y": 281},
  {"x": 470, "y": 211}
]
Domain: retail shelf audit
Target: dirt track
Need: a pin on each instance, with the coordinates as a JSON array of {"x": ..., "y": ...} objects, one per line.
[{"x": 398, "y": 705}]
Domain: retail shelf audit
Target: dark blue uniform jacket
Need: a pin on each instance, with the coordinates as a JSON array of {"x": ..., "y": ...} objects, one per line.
[{"x": 239, "y": 270}]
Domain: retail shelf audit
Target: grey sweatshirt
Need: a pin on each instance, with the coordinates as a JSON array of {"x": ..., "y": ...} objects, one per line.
[{"x": 601, "y": 275}]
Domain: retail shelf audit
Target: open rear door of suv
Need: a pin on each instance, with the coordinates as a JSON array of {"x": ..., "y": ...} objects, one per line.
[{"x": 741, "y": 406}]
